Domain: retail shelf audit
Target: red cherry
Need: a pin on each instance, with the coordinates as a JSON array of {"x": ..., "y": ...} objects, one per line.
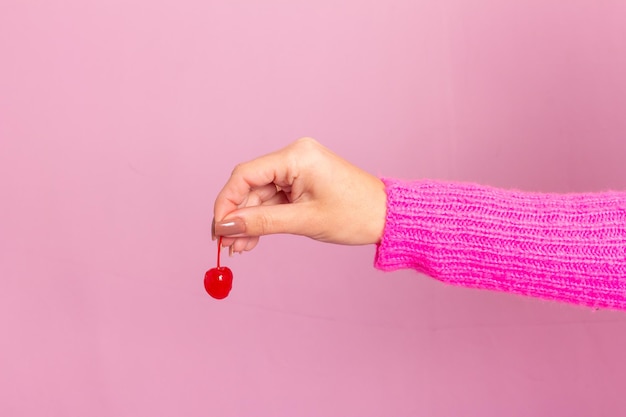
[{"x": 218, "y": 282}]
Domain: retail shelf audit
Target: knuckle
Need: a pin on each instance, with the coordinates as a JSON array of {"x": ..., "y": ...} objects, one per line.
[
  {"x": 302, "y": 154},
  {"x": 236, "y": 170},
  {"x": 265, "y": 224},
  {"x": 307, "y": 141}
]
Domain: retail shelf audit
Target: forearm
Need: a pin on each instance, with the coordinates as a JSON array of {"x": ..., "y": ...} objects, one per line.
[{"x": 569, "y": 247}]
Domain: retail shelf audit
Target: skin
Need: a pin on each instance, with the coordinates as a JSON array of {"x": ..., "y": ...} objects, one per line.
[{"x": 303, "y": 189}]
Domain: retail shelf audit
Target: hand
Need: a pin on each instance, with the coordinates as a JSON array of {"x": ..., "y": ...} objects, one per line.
[{"x": 303, "y": 189}]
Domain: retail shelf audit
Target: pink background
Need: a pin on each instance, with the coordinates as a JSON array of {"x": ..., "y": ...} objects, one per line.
[{"x": 121, "y": 119}]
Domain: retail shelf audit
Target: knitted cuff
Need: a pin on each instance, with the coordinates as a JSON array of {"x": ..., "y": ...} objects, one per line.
[{"x": 569, "y": 247}]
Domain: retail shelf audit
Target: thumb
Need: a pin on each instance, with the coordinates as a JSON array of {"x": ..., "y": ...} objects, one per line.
[{"x": 265, "y": 220}]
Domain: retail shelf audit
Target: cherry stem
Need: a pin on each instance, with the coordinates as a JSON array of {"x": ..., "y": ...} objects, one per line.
[{"x": 219, "y": 251}]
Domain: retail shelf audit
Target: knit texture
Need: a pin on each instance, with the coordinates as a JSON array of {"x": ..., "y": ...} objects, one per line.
[{"x": 565, "y": 247}]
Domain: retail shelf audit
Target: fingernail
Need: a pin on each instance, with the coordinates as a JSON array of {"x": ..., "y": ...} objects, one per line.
[
  {"x": 213, "y": 229},
  {"x": 230, "y": 227},
  {"x": 231, "y": 251}
]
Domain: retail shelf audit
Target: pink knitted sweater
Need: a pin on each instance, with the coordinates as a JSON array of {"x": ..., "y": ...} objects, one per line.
[{"x": 569, "y": 247}]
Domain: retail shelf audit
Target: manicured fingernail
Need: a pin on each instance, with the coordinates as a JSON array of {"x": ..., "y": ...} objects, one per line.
[
  {"x": 230, "y": 227},
  {"x": 213, "y": 229}
]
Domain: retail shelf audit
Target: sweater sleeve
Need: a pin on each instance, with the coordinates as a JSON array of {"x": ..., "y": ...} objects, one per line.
[{"x": 565, "y": 247}]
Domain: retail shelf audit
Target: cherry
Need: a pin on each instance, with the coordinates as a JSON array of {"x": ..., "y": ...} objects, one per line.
[{"x": 218, "y": 281}]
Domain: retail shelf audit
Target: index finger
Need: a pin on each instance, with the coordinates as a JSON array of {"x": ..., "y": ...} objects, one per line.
[{"x": 273, "y": 168}]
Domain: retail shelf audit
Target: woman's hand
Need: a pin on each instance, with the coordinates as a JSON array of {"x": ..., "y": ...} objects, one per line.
[{"x": 303, "y": 189}]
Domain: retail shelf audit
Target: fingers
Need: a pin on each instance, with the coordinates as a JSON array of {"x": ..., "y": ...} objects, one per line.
[
  {"x": 267, "y": 194},
  {"x": 260, "y": 195},
  {"x": 236, "y": 225},
  {"x": 259, "y": 174},
  {"x": 253, "y": 201},
  {"x": 266, "y": 220},
  {"x": 279, "y": 198},
  {"x": 243, "y": 244},
  {"x": 246, "y": 243}
]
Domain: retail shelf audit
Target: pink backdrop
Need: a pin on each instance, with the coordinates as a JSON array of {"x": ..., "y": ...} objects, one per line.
[{"x": 121, "y": 119}]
